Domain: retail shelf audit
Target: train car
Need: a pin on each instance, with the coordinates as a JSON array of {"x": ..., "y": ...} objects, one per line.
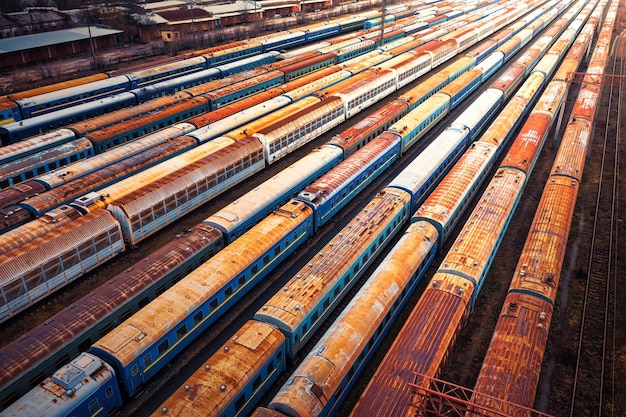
[
  {"x": 309, "y": 297},
  {"x": 75, "y": 328},
  {"x": 85, "y": 386},
  {"x": 308, "y": 66},
  {"x": 468, "y": 83},
  {"x": 13, "y": 238},
  {"x": 322, "y": 31},
  {"x": 280, "y": 42},
  {"x": 166, "y": 87},
  {"x": 233, "y": 379},
  {"x": 286, "y": 135},
  {"x": 13, "y": 195},
  {"x": 333, "y": 191},
  {"x": 225, "y": 95},
  {"x": 15, "y": 132},
  {"x": 335, "y": 363},
  {"x": 32, "y": 271},
  {"x": 37, "y": 91},
  {"x": 358, "y": 135},
  {"x": 83, "y": 127},
  {"x": 66, "y": 193},
  {"x": 360, "y": 96},
  {"x": 157, "y": 74},
  {"x": 243, "y": 213},
  {"x": 67, "y": 97},
  {"x": 235, "y": 52},
  {"x": 53, "y": 158},
  {"x": 148, "y": 209},
  {"x": 436, "y": 107},
  {"x": 214, "y": 287}
]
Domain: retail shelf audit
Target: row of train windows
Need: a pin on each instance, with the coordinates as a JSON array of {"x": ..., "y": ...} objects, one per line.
[
  {"x": 363, "y": 176},
  {"x": 371, "y": 94},
  {"x": 269, "y": 369},
  {"x": 94, "y": 405},
  {"x": 170, "y": 203},
  {"x": 305, "y": 130},
  {"x": 214, "y": 303},
  {"x": 355, "y": 270},
  {"x": 59, "y": 265},
  {"x": 241, "y": 94},
  {"x": 79, "y": 98},
  {"x": 45, "y": 168},
  {"x": 416, "y": 70},
  {"x": 147, "y": 129}
]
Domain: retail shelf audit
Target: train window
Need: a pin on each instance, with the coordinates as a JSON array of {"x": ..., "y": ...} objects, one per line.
[
  {"x": 125, "y": 315},
  {"x": 181, "y": 331},
  {"x": 240, "y": 403},
  {"x": 163, "y": 347},
  {"x": 106, "y": 329},
  {"x": 337, "y": 291},
  {"x": 197, "y": 318},
  {"x": 144, "y": 302},
  {"x": 213, "y": 304},
  {"x": 276, "y": 251},
  {"x": 85, "y": 344},
  {"x": 314, "y": 317},
  {"x": 270, "y": 367},
  {"x": 61, "y": 361},
  {"x": 266, "y": 259},
  {"x": 94, "y": 406},
  {"x": 241, "y": 280},
  {"x": 147, "y": 360},
  {"x": 257, "y": 383},
  {"x": 326, "y": 304},
  {"x": 254, "y": 269},
  {"x": 108, "y": 392},
  {"x": 228, "y": 291},
  {"x": 339, "y": 391}
]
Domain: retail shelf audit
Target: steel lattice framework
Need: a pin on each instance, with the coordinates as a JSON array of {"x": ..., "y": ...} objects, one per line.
[{"x": 443, "y": 398}]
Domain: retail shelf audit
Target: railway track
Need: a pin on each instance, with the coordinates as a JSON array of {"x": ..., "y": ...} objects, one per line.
[{"x": 594, "y": 388}]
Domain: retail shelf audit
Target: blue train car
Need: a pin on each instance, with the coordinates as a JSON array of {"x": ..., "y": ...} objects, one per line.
[
  {"x": 85, "y": 387},
  {"x": 16, "y": 131},
  {"x": 242, "y": 214},
  {"x": 147, "y": 341},
  {"x": 68, "y": 97},
  {"x": 323, "y": 31},
  {"x": 173, "y": 85},
  {"x": 166, "y": 72},
  {"x": 233, "y": 54},
  {"x": 251, "y": 361},
  {"x": 38, "y": 163},
  {"x": 239, "y": 90},
  {"x": 289, "y": 40},
  {"x": 312, "y": 294},
  {"x": 248, "y": 63},
  {"x": 333, "y": 191}
]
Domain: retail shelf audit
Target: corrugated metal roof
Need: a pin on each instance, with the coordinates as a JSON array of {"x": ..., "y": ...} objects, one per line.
[{"x": 20, "y": 43}]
